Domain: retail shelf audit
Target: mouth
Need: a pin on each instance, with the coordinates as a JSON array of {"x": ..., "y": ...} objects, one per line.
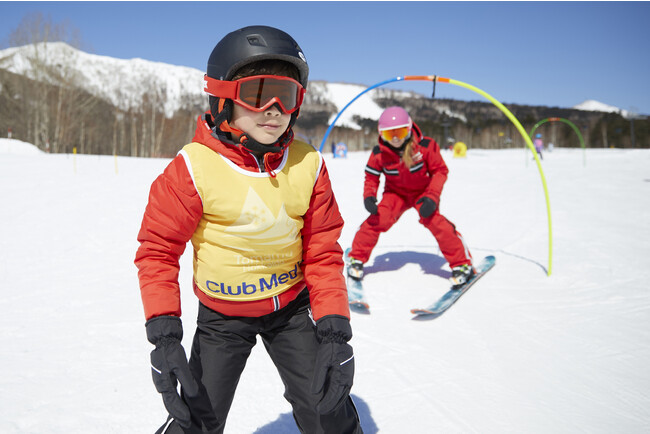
[{"x": 269, "y": 126}]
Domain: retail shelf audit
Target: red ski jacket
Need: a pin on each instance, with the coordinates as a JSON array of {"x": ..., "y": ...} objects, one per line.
[
  {"x": 175, "y": 209},
  {"x": 426, "y": 177}
]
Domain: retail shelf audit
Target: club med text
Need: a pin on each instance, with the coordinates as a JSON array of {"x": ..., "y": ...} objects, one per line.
[{"x": 247, "y": 289}]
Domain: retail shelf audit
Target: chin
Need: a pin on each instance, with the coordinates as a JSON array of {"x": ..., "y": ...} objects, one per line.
[{"x": 267, "y": 139}]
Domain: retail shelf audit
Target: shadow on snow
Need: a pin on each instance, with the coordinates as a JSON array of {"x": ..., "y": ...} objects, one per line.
[{"x": 392, "y": 261}]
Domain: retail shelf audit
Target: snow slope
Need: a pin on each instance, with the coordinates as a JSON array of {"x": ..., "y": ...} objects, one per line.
[
  {"x": 18, "y": 147},
  {"x": 521, "y": 352}
]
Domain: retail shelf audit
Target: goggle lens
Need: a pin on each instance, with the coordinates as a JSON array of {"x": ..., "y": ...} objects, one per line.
[
  {"x": 399, "y": 133},
  {"x": 258, "y": 93}
]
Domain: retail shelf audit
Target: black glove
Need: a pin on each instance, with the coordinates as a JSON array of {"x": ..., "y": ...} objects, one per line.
[
  {"x": 169, "y": 364},
  {"x": 371, "y": 204},
  {"x": 334, "y": 367},
  {"x": 428, "y": 206}
]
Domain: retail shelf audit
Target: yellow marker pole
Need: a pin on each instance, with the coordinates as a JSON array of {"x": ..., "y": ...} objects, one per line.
[
  {"x": 115, "y": 156},
  {"x": 74, "y": 159}
]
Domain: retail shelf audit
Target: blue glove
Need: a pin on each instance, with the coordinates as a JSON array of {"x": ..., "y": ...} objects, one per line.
[
  {"x": 334, "y": 366},
  {"x": 169, "y": 365}
]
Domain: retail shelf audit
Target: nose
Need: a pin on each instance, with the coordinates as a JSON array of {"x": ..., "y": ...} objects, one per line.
[{"x": 274, "y": 110}]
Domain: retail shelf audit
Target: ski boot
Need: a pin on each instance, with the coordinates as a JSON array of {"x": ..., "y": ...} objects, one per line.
[
  {"x": 460, "y": 275},
  {"x": 355, "y": 269}
]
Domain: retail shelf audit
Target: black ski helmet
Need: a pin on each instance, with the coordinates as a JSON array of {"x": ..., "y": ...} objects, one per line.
[
  {"x": 251, "y": 44},
  {"x": 242, "y": 47}
]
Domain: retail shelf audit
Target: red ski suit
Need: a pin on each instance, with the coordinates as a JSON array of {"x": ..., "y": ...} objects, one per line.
[
  {"x": 403, "y": 187},
  {"x": 175, "y": 209}
]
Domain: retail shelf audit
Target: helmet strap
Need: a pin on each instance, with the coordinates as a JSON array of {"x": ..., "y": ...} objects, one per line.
[
  {"x": 256, "y": 147},
  {"x": 261, "y": 149},
  {"x": 221, "y": 110}
]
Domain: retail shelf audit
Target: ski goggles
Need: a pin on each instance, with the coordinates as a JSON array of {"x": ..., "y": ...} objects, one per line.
[
  {"x": 400, "y": 133},
  {"x": 259, "y": 92}
]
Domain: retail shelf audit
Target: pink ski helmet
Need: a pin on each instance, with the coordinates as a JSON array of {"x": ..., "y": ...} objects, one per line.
[{"x": 394, "y": 117}]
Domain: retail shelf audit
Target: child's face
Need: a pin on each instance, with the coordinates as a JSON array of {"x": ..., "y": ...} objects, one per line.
[
  {"x": 266, "y": 127},
  {"x": 396, "y": 137},
  {"x": 396, "y": 142}
]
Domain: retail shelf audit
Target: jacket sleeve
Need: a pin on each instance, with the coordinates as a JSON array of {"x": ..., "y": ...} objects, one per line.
[
  {"x": 170, "y": 218},
  {"x": 373, "y": 171},
  {"x": 322, "y": 261},
  {"x": 437, "y": 170}
]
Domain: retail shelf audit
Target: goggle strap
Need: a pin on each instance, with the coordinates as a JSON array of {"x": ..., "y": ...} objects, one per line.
[
  {"x": 219, "y": 88},
  {"x": 225, "y": 126}
]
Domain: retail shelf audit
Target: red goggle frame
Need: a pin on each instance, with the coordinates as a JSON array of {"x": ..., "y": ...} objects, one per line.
[{"x": 258, "y": 92}]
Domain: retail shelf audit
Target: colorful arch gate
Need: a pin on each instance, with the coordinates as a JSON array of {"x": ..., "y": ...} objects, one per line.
[
  {"x": 569, "y": 123},
  {"x": 436, "y": 79}
]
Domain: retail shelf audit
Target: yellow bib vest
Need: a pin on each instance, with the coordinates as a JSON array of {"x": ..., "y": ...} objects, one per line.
[{"x": 248, "y": 244}]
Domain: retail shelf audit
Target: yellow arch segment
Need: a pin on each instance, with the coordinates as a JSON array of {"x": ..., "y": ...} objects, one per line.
[{"x": 523, "y": 133}]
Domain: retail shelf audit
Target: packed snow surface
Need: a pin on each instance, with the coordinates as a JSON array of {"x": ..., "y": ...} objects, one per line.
[{"x": 521, "y": 352}]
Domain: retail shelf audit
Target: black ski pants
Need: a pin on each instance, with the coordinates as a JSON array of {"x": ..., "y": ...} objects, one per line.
[{"x": 220, "y": 349}]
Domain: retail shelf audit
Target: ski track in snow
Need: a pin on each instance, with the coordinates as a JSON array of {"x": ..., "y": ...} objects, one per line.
[{"x": 521, "y": 352}]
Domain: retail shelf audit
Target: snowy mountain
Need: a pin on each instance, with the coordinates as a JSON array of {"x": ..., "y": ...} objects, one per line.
[
  {"x": 124, "y": 83},
  {"x": 140, "y": 85},
  {"x": 596, "y": 106}
]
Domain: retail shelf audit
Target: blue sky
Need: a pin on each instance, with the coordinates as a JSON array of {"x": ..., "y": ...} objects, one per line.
[{"x": 535, "y": 53}]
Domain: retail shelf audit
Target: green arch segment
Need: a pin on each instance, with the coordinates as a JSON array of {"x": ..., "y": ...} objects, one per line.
[{"x": 569, "y": 123}]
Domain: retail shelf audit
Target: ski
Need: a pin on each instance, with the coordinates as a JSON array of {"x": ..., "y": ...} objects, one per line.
[
  {"x": 356, "y": 299},
  {"x": 451, "y": 296}
]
